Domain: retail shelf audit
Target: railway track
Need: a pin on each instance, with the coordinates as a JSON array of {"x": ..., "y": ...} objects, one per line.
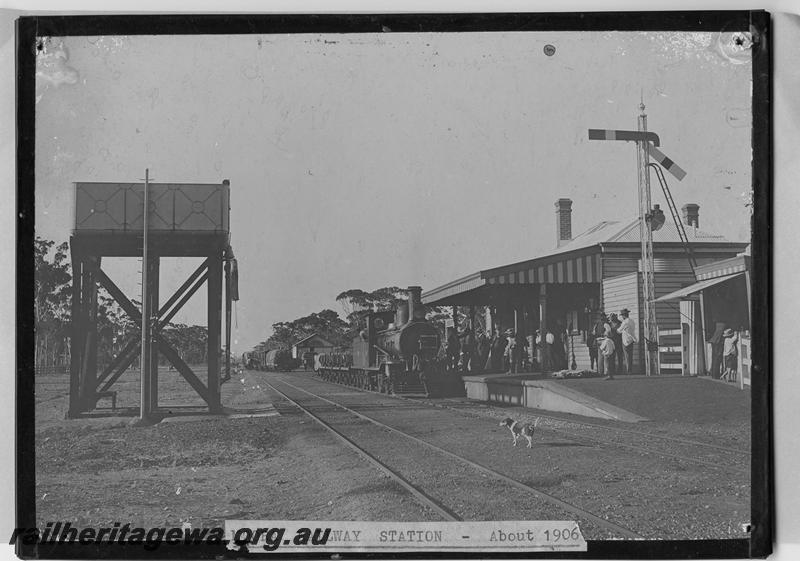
[
  {"x": 334, "y": 417},
  {"x": 728, "y": 460},
  {"x": 723, "y": 458},
  {"x": 418, "y": 494},
  {"x": 716, "y": 456},
  {"x": 649, "y": 435}
]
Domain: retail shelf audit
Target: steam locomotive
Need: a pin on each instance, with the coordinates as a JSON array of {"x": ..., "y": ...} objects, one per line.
[{"x": 396, "y": 353}]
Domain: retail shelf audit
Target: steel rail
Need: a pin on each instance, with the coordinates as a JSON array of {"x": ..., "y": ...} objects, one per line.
[
  {"x": 423, "y": 498},
  {"x": 563, "y": 419},
  {"x": 595, "y": 425},
  {"x": 645, "y": 449},
  {"x": 585, "y": 514},
  {"x": 649, "y": 450},
  {"x": 649, "y": 435}
]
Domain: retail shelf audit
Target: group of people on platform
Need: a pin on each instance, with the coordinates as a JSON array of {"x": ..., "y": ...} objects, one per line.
[
  {"x": 610, "y": 341},
  {"x": 507, "y": 351}
]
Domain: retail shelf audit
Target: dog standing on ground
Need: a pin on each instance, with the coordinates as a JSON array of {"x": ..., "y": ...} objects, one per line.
[{"x": 520, "y": 429}]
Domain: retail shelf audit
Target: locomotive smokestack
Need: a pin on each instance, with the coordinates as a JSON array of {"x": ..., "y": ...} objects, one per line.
[
  {"x": 401, "y": 314},
  {"x": 415, "y": 309}
]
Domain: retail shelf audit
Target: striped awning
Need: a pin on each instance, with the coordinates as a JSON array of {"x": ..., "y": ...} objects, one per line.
[
  {"x": 685, "y": 292},
  {"x": 556, "y": 269},
  {"x": 738, "y": 266},
  {"x": 577, "y": 267}
]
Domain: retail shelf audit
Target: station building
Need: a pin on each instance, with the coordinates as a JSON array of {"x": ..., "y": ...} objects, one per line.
[
  {"x": 597, "y": 270},
  {"x": 720, "y": 299},
  {"x": 314, "y": 343}
]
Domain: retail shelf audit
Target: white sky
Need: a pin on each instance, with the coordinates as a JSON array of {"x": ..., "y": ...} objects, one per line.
[{"x": 360, "y": 161}]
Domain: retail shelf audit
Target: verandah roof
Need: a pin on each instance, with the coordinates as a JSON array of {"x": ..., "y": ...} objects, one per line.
[
  {"x": 577, "y": 266},
  {"x": 577, "y": 261},
  {"x": 686, "y": 292}
]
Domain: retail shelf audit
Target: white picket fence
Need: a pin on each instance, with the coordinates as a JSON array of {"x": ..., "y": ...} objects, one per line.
[{"x": 673, "y": 350}]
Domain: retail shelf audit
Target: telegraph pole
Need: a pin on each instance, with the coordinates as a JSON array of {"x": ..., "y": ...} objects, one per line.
[{"x": 144, "y": 408}]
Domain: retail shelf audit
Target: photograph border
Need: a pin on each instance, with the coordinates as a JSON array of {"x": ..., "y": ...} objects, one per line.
[{"x": 762, "y": 486}]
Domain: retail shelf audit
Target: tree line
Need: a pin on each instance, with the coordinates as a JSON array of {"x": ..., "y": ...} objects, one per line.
[
  {"x": 328, "y": 323},
  {"x": 356, "y": 304},
  {"x": 53, "y": 314}
]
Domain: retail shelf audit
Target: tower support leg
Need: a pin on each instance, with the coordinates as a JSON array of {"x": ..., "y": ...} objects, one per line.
[
  {"x": 152, "y": 291},
  {"x": 214, "y": 329},
  {"x": 228, "y": 302},
  {"x": 88, "y": 372},
  {"x": 77, "y": 336}
]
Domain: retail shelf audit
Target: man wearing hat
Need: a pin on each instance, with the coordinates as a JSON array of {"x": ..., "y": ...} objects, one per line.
[
  {"x": 628, "y": 331},
  {"x": 730, "y": 354},
  {"x": 615, "y": 322},
  {"x": 606, "y": 356}
]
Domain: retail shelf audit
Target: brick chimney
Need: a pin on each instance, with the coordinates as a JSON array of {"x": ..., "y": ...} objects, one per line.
[
  {"x": 563, "y": 221},
  {"x": 691, "y": 215}
]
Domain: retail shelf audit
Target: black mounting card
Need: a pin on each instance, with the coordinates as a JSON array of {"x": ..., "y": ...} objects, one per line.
[{"x": 352, "y": 154}]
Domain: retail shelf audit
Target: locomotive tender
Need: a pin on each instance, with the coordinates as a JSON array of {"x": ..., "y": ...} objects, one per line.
[
  {"x": 395, "y": 353},
  {"x": 276, "y": 359}
]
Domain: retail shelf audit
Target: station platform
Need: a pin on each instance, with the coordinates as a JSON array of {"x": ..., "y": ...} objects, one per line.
[{"x": 625, "y": 398}]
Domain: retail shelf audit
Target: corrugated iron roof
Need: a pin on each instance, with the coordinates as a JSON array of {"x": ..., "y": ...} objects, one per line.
[
  {"x": 606, "y": 232},
  {"x": 687, "y": 291},
  {"x": 628, "y": 232},
  {"x": 318, "y": 336},
  {"x": 611, "y": 231}
]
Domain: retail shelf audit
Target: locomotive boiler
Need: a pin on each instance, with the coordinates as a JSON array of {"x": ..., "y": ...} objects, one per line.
[{"x": 396, "y": 352}]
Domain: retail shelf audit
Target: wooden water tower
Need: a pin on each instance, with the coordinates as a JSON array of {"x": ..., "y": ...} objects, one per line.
[{"x": 183, "y": 220}]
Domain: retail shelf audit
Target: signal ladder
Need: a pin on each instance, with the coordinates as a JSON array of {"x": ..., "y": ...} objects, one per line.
[{"x": 675, "y": 216}]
